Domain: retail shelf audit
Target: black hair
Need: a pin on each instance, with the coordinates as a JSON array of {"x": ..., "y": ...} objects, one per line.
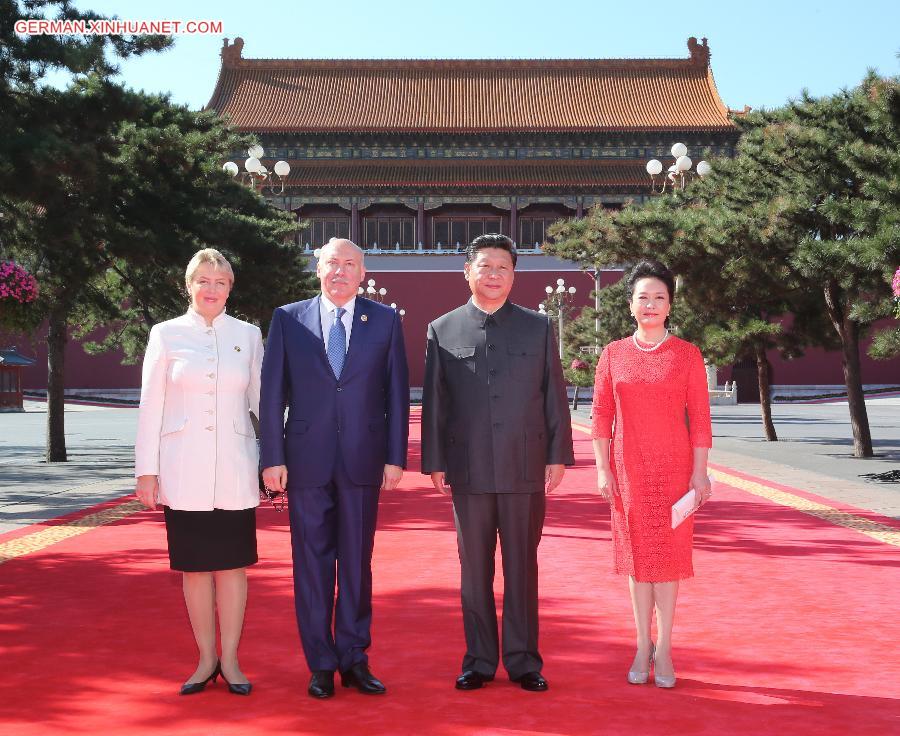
[
  {"x": 650, "y": 270},
  {"x": 491, "y": 240}
]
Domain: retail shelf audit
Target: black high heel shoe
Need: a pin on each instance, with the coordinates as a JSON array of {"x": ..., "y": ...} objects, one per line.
[
  {"x": 192, "y": 688},
  {"x": 241, "y": 688}
]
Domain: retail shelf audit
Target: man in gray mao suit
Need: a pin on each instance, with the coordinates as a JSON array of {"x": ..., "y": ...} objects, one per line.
[{"x": 496, "y": 429}]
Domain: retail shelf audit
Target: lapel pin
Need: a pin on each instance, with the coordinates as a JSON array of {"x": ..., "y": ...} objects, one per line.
[
  {"x": 364, "y": 318},
  {"x": 237, "y": 348}
]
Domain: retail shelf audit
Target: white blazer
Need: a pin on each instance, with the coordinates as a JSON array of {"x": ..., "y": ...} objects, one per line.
[{"x": 198, "y": 387}]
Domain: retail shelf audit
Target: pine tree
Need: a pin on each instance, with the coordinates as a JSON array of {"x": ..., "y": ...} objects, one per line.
[
  {"x": 877, "y": 163},
  {"x": 125, "y": 188},
  {"x": 820, "y": 157},
  {"x": 33, "y": 143},
  {"x": 729, "y": 254}
]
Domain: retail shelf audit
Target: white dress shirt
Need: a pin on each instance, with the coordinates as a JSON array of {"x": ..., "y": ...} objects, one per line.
[
  {"x": 198, "y": 387},
  {"x": 326, "y": 311}
]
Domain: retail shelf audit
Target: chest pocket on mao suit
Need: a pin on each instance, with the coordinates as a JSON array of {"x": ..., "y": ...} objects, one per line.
[
  {"x": 525, "y": 362},
  {"x": 461, "y": 361}
]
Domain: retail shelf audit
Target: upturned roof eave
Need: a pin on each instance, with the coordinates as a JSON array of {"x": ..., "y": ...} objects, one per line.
[{"x": 723, "y": 128}]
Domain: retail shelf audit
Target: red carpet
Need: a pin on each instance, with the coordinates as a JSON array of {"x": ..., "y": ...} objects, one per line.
[{"x": 792, "y": 626}]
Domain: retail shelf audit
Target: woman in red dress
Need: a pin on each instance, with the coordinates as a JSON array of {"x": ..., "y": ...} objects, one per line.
[{"x": 652, "y": 434}]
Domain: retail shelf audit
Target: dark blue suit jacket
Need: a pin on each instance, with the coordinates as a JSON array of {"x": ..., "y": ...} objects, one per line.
[{"x": 365, "y": 413}]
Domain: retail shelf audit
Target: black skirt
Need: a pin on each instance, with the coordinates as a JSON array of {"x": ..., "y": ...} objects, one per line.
[{"x": 206, "y": 541}]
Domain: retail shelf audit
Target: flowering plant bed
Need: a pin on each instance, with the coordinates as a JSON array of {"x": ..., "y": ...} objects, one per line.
[
  {"x": 18, "y": 292},
  {"x": 895, "y": 287}
]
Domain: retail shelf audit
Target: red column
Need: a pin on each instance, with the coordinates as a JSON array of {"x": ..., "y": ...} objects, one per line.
[
  {"x": 420, "y": 225},
  {"x": 354, "y": 223}
]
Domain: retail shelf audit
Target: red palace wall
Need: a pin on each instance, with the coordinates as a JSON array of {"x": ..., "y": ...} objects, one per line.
[
  {"x": 424, "y": 296},
  {"x": 104, "y": 371},
  {"x": 427, "y": 295}
]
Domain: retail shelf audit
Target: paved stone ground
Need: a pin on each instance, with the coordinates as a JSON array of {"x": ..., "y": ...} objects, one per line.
[
  {"x": 814, "y": 454},
  {"x": 100, "y": 467}
]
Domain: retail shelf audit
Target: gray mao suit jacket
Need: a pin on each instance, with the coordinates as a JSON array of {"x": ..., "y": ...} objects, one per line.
[{"x": 494, "y": 405}]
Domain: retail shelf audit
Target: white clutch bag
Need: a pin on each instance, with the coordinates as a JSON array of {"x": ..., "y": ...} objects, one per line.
[{"x": 685, "y": 506}]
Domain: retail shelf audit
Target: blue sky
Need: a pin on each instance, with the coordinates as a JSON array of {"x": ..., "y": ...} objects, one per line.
[{"x": 763, "y": 52}]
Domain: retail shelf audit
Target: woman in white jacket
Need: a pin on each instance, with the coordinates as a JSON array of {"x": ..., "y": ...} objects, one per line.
[{"x": 196, "y": 455}]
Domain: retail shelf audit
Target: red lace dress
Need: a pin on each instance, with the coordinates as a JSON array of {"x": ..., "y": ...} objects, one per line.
[{"x": 655, "y": 408}]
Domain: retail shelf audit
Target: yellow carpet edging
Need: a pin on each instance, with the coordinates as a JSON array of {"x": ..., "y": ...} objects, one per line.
[
  {"x": 36, "y": 541},
  {"x": 873, "y": 529}
]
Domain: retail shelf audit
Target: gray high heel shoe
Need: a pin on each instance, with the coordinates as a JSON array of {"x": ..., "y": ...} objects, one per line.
[
  {"x": 640, "y": 678},
  {"x": 667, "y": 681}
]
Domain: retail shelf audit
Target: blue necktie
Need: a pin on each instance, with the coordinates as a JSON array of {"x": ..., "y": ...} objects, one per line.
[{"x": 337, "y": 343}]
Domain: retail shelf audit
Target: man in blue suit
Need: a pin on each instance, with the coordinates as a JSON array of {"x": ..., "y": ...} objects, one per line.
[{"x": 337, "y": 362}]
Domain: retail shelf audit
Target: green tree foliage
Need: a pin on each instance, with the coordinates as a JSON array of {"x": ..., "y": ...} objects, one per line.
[
  {"x": 832, "y": 165},
  {"x": 719, "y": 303},
  {"x": 30, "y": 143},
  {"x": 876, "y": 162},
  {"x": 789, "y": 245},
  {"x": 25, "y": 62},
  {"x": 106, "y": 193},
  {"x": 169, "y": 198},
  {"x": 594, "y": 328}
]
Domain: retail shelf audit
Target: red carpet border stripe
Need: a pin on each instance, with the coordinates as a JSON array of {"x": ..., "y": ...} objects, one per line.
[{"x": 39, "y": 540}]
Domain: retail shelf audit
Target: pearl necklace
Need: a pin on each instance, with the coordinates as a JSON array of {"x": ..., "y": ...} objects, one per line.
[{"x": 651, "y": 349}]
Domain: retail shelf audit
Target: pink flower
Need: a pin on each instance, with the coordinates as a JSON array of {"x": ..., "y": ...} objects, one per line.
[
  {"x": 578, "y": 365},
  {"x": 895, "y": 284},
  {"x": 16, "y": 283}
]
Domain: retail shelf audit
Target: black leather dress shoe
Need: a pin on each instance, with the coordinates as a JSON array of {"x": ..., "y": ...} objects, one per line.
[
  {"x": 321, "y": 684},
  {"x": 533, "y": 681},
  {"x": 471, "y": 680},
  {"x": 238, "y": 688},
  {"x": 360, "y": 677},
  {"x": 192, "y": 688}
]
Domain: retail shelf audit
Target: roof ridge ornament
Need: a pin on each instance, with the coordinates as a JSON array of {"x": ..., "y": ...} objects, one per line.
[
  {"x": 231, "y": 54},
  {"x": 699, "y": 51}
]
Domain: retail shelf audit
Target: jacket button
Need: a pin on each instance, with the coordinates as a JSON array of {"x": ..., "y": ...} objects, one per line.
[
  {"x": 210, "y": 393},
  {"x": 492, "y": 347},
  {"x": 210, "y": 429},
  {"x": 209, "y": 411},
  {"x": 210, "y": 375},
  {"x": 493, "y": 371},
  {"x": 339, "y": 388}
]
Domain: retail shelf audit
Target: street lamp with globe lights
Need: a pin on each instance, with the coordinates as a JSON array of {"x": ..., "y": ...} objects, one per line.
[
  {"x": 256, "y": 174},
  {"x": 677, "y": 173},
  {"x": 675, "y": 179},
  {"x": 555, "y": 306},
  {"x": 372, "y": 292}
]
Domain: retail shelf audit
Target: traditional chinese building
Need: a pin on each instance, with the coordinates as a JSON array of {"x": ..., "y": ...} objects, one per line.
[{"x": 424, "y": 155}]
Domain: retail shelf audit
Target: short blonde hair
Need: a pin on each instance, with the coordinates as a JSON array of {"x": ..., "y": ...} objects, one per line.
[{"x": 207, "y": 255}]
